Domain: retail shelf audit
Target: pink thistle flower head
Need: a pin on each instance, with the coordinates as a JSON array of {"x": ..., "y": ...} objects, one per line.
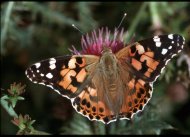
[{"x": 94, "y": 44}]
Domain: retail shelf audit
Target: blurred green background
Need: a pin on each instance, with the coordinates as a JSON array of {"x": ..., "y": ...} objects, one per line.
[{"x": 32, "y": 31}]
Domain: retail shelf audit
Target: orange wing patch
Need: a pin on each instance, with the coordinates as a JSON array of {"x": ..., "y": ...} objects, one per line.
[
  {"x": 67, "y": 78},
  {"x": 136, "y": 98},
  {"x": 74, "y": 73},
  {"x": 150, "y": 62},
  {"x": 140, "y": 59},
  {"x": 136, "y": 64},
  {"x": 149, "y": 54},
  {"x": 81, "y": 75},
  {"x": 87, "y": 104}
]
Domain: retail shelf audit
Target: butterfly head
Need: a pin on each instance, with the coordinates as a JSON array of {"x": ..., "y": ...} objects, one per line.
[
  {"x": 106, "y": 49},
  {"x": 108, "y": 59}
]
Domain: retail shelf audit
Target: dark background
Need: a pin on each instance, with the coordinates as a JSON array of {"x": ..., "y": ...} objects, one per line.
[{"x": 40, "y": 30}]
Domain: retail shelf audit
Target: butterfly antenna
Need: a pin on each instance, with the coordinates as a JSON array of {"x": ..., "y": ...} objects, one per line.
[
  {"x": 73, "y": 25},
  {"x": 122, "y": 20}
]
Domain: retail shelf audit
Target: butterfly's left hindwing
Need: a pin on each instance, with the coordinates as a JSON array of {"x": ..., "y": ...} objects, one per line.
[{"x": 66, "y": 75}]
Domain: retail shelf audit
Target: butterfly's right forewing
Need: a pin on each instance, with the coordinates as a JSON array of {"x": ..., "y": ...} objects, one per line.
[{"x": 68, "y": 75}]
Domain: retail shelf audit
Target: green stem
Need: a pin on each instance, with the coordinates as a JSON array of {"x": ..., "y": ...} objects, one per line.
[
  {"x": 37, "y": 132},
  {"x": 6, "y": 23},
  {"x": 136, "y": 21},
  {"x": 155, "y": 15}
]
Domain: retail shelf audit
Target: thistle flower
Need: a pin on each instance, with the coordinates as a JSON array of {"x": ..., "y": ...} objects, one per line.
[{"x": 94, "y": 43}]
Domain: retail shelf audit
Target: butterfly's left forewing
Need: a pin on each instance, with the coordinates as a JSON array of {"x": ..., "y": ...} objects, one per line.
[
  {"x": 147, "y": 58},
  {"x": 68, "y": 75}
]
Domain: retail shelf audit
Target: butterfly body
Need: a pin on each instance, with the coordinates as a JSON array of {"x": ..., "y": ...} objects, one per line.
[
  {"x": 110, "y": 89},
  {"x": 110, "y": 85}
]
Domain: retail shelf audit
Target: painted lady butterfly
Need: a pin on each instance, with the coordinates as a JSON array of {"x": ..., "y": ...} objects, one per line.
[{"x": 110, "y": 85}]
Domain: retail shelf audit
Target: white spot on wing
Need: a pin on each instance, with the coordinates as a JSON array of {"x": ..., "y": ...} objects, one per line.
[
  {"x": 38, "y": 71},
  {"x": 140, "y": 49},
  {"x": 49, "y": 75},
  {"x": 170, "y": 36},
  {"x": 52, "y": 66},
  {"x": 52, "y": 61},
  {"x": 42, "y": 74},
  {"x": 38, "y": 65},
  {"x": 170, "y": 47},
  {"x": 71, "y": 63},
  {"x": 156, "y": 39},
  {"x": 164, "y": 51},
  {"x": 158, "y": 44}
]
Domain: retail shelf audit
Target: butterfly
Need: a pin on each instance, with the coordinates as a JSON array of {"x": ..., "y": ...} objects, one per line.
[{"x": 112, "y": 85}]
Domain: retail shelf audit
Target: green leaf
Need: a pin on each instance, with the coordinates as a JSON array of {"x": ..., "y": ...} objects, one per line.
[
  {"x": 20, "y": 98},
  {"x": 8, "y": 107}
]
